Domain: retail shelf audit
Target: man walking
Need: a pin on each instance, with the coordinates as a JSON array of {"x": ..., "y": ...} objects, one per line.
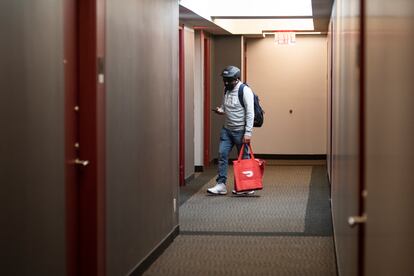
[{"x": 237, "y": 127}]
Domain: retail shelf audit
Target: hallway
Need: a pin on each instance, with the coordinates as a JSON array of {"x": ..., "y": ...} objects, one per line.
[
  {"x": 285, "y": 229},
  {"x": 107, "y": 119}
]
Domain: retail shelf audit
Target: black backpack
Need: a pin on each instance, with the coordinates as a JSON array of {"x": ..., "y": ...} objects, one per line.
[{"x": 258, "y": 110}]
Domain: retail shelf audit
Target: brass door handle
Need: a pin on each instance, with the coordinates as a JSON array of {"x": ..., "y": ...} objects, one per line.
[{"x": 81, "y": 162}]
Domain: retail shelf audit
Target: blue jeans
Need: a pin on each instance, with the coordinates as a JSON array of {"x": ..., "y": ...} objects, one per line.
[{"x": 228, "y": 139}]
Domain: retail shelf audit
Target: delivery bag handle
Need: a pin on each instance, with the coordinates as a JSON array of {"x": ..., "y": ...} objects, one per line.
[{"x": 242, "y": 149}]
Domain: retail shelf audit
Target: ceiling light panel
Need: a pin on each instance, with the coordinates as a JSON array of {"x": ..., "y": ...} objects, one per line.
[
  {"x": 250, "y": 8},
  {"x": 257, "y": 26}
]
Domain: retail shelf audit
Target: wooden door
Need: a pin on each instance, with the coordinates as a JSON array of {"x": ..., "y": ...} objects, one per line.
[
  {"x": 84, "y": 136},
  {"x": 389, "y": 147}
]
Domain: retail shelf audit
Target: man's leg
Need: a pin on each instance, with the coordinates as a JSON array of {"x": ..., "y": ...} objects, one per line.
[
  {"x": 224, "y": 150},
  {"x": 225, "y": 147},
  {"x": 246, "y": 154},
  {"x": 238, "y": 141}
]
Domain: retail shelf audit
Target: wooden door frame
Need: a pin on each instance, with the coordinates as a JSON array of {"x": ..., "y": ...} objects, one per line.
[
  {"x": 207, "y": 101},
  {"x": 362, "y": 156},
  {"x": 71, "y": 136},
  {"x": 245, "y": 59},
  {"x": 92, "y": 136},
  {"x": 85, "y": 223}
]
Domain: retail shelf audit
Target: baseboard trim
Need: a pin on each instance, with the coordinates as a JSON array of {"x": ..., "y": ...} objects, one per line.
[
  {"x": 198, "y": 168},
  {"x": 283, "y": 157},
  {"x": 189, "y": 179},
  {"x": 155, "y": 253},
  {"x": 292, "y": 156}
]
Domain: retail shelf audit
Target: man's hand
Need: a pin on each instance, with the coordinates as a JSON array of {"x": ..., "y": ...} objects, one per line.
[
  {"x": 218, "y": 110},
  {"x": 246, "y": 139}
]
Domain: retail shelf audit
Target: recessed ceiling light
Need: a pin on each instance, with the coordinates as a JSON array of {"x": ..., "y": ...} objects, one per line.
[
  {"x": 276, "y": 8},
  {"x": 257, "y": 26},
  {"x": 256, "y": 8},
  {"x": 254, "y": 17}
]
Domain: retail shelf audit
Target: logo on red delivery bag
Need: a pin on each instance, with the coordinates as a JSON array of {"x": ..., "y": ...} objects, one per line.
[{"x": 248, "y": 173}]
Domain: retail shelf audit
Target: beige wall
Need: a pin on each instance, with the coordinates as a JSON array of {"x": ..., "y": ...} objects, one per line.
[
  {"x": 32, "y": 140},
  {"x": 141, "y": 131},
  {"x": 189, "y": 101},
  {"x": 290, "y": 78},
  {"x": 198, "y": 99}
]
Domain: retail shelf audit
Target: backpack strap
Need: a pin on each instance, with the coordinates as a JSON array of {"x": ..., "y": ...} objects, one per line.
[{"x": 241, "y": 87}]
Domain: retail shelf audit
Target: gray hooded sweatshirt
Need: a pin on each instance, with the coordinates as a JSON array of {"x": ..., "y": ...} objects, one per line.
[{"x": 238, "y": 117}]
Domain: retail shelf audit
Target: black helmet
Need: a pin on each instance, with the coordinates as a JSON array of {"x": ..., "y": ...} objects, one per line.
[{"x": 231, "y": 72}]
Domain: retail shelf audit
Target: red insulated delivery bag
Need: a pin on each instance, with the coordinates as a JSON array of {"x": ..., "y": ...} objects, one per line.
[{"x": 248, "y": 173}]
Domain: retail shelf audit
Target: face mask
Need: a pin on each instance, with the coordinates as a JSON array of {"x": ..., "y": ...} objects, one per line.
[{"x": 229, "y": 85}]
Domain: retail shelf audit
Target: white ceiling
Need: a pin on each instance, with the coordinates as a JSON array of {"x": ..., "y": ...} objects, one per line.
[{"x": 248, "y": 17}]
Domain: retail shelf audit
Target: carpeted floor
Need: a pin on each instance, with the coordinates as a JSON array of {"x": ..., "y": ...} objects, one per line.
[
  {"x": 285, "y": 229},
  {"x": 281, "y": 207}
]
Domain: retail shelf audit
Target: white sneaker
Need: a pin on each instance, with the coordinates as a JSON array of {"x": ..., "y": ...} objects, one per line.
[
  {"x": 219, "y": 189},
  {"x": 243, "y": 193}
]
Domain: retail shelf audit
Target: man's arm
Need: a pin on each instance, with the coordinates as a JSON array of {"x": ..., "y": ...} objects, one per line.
[
  {"x": 220, "y": 109},
  {"x": 249, "y": 105}
]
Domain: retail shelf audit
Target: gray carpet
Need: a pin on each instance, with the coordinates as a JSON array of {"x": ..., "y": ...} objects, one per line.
[
  {"x": 234, "y": 255},
  {"x": 281, "y": 207},
  {"x": 285, "y": 229}
]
